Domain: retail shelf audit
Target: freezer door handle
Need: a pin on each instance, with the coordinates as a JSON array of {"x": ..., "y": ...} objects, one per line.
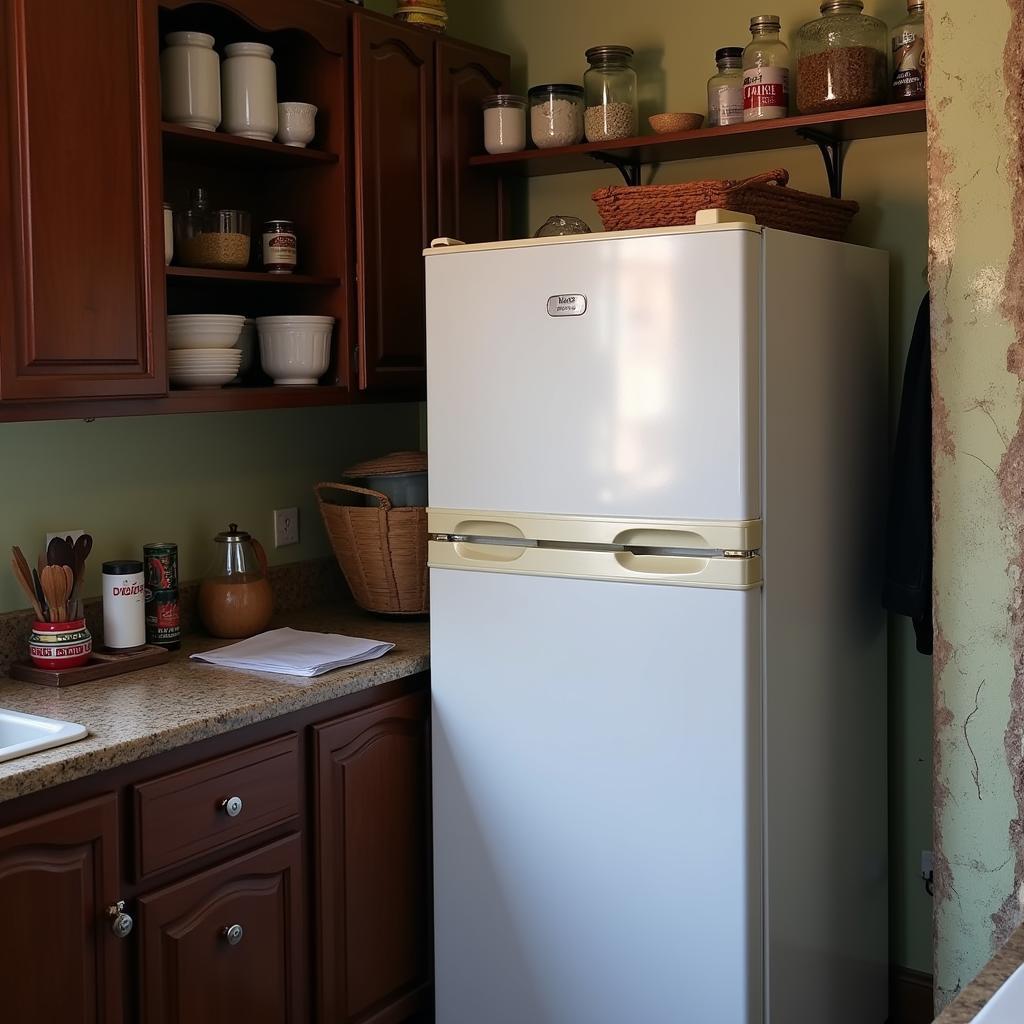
[{"x": 581, "y": 563}]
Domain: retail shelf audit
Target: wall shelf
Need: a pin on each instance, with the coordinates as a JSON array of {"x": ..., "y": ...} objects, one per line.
[
  {"x": 828, "y": 131},
  {"x": 181, "y": 143},
  {"x": 201, "y": 275}
]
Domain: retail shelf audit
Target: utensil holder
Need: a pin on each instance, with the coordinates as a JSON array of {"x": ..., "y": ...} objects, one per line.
[{"x": 60, "y": 645}]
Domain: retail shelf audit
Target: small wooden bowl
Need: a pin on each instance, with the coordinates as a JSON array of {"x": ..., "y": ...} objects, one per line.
[{"x": 663, "y": 124}]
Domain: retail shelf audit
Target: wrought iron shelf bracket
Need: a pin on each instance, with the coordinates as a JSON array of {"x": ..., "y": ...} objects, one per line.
[
  {"x": 629, "y": 169},
  {"x": 832, "y": 153}
]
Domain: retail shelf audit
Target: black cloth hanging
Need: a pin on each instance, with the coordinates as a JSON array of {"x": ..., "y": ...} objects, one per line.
[{"x": 908, "y": 571}]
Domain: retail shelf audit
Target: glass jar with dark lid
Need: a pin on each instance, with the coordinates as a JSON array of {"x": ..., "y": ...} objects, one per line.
[
  {"x": 725, "y": 88},
  {"x": 556, "y": 115},
  {"x": 841, "y": 59},
  {"x": 610, "y": 88}
]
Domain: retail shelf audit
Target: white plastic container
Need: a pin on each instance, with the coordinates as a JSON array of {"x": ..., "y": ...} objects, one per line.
[
  {"x": 295, "y": 349},
  {"x": 249, "y": 80},
  {"x": 124, "y": 595},
  {"x": 190, "y": 81}
]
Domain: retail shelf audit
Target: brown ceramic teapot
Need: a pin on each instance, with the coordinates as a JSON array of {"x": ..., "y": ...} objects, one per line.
[{"x": 235, "y": 599}]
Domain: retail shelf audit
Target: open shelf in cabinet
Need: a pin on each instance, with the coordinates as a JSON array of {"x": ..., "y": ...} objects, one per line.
[
  {"x": 181, "y": 143},
  {"x": 202, "y": 275},
  {"x": 308, "y": 186}
]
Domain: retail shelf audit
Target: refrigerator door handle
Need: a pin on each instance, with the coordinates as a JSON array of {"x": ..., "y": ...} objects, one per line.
[{"x": 621, "y": 566}]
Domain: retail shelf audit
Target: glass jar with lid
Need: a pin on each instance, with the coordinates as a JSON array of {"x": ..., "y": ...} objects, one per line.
[
  {"x": 765, "y": 71},
  {"x": 556, "y": 115},
  {"x": 841, "y": 59},
  {"x": 609, "y": 85},
  {"x": 725, "y": 88},
  {"x": 504, "y": 123}
]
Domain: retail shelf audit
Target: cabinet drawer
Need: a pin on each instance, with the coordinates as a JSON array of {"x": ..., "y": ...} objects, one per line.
[{"x": 205, "y": 807}]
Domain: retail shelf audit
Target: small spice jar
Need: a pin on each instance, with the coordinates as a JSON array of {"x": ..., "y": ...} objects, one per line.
[
  {"x": 725, "y": 88},
  {"x": 556, "y": 115},
  {"x": 765, "y": 71},
  {"x": 280, "y": 247},
  {"x": 840, "y": 59},
  {"x": 124, "y": 605},
  {"x": 908, "y": 55},
  {"x": 610, "y": 87},
  {"x": 504, "y": 123}
]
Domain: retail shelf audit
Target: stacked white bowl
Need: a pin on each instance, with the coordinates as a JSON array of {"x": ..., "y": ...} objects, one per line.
[
  {"x": 203, "y": 352},
  {"x": 295, "y": 349}
]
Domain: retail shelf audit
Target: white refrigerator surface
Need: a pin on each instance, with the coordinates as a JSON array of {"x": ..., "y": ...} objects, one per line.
[
  {"x": 644, "y": 406},
  {"x": 658, "y": 773}
]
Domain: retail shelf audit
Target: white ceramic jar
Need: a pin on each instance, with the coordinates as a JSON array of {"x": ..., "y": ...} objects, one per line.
[
  {"x": 249, "y": 81},
  {"x": 190, "y": 81}
]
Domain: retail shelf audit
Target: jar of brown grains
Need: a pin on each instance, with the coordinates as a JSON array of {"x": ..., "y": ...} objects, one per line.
[{"x": 841, "y": 59}]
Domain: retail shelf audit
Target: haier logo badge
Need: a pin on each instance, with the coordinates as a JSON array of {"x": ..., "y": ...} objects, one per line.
[{"x": 567, "y": 305}]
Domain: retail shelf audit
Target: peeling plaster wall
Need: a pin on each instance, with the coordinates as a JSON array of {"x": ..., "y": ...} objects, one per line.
[
  {"x": 675, "y": 44},
  {"x": 975, "y": 219}
]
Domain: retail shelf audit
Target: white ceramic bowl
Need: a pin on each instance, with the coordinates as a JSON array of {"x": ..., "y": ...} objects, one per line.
[
  {"x": 296, "y": 124},
  {"x": 295, "y": 349},
  {"x": 198, "y": 330}
]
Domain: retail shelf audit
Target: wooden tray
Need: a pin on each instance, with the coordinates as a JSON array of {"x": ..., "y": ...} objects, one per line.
[{"x": 100, "y": 665}]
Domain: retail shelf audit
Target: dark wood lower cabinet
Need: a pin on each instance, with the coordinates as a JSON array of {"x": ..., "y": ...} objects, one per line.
[
  {"x": 59, "y": 961},
  {"x": 314, "y": 908},
  {"x": 373, "y": 863},
  {"x": 228, "y": 944}
]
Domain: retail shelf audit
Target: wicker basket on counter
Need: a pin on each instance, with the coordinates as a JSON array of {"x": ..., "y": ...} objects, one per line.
[
  {"x": 381, "y": 550},
  {"x": 764, "y": 196}
]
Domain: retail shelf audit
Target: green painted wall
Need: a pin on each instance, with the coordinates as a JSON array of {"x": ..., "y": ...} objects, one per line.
[
  {"x": 182, "y": 478},
  {"x": 977, "y": 247},
  {"x": 675, "y": 46}
]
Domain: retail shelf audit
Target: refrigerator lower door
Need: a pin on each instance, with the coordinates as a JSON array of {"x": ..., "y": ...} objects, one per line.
[{"x": 597, "y": 796}]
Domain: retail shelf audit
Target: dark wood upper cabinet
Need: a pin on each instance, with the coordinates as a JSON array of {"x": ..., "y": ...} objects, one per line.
[
  {"x": 396, "y": 205},
  {"x": 471, "y": 203},
  {"x": 228, "y": 944},
  {"x": 373, "y": 863},
  {"x": 80, "y": 201},
  {"x": 59, "y": 959}
]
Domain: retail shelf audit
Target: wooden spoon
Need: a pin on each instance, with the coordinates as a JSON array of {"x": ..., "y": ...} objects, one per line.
[
  {"x": 55, "y": 587},
  {"x": 82, "y": 550},
  {"x": 24, "y": 577},
  {"x": 69, "y": 586}
]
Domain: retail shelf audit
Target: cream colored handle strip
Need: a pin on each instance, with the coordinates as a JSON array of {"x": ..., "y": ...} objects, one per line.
[
  {"x": 585, "y": 530},
  {"x": 619, "y": 566}
]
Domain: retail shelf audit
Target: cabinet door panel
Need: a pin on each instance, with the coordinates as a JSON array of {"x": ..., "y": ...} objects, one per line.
[
  {"x": 192, "y": 973},
  {"x": 471, "y": 202},
  {"x": 395, "y": 199},
  {"x": 373, "y": 862},
  {"x": 59, "y": 960},
  {"x": 80, "y": 220}
]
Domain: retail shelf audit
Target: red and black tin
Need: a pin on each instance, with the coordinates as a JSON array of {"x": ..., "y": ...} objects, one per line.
[{"x": 163, "y": 617}]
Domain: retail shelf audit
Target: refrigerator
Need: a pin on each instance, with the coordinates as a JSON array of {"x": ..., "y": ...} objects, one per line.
[{"x": 657, "y": 464}]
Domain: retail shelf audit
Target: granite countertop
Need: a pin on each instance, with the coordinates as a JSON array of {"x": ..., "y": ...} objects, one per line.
[
  {"x": 146, "y": 712},
  {"x": 990, "y": 978}
]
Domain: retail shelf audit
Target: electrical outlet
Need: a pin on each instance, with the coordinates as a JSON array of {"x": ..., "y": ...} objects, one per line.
[
  {"x": 286, "y": 527},
  {"x": 927, "y": 863},
  {"x": 73, "y": 534}
]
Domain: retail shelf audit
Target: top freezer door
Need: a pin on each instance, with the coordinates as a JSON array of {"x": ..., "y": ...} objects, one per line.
[{"x": 609, "y": 375}]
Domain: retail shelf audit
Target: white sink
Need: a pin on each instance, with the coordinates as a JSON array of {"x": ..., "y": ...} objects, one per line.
[
  {"x": 1007, "y": 1005},
  {"x": 22, "y": 734}
]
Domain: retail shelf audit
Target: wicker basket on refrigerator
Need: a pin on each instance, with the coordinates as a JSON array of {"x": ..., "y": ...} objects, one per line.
[{"x": 764, "y": 196}]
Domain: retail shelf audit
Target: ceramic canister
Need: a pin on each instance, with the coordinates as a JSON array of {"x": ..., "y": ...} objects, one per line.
[
  {"x": 60, "y": 645},
  {"x": 190, "y": 81},
  {"x": 249, "y": 91},
  {"x": 124, "y": 605}
]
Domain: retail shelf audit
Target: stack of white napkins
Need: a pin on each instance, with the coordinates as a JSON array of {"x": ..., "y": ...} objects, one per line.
[{"x": 296, "y": 653}]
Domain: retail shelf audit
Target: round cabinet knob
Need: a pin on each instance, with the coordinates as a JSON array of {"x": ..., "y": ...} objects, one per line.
[
  {"x": 121, "y": 924},
  {"x": 233, "y": 933},
  {"x": 232, "y": 806}
]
